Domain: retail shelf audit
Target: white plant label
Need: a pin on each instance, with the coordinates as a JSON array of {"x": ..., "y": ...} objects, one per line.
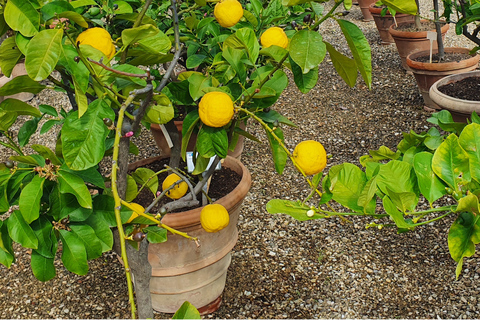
[
  {"x": 191, "y": 165},
  {"x": 432, "y": 36}
]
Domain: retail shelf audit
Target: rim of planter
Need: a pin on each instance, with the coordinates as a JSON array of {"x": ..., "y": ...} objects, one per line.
[
  {"x": 445, "y": 66},
  {"x": 457, "y": 105},
  {"x": 413, "y": 34},
  {"x": 378, "y": 10}
]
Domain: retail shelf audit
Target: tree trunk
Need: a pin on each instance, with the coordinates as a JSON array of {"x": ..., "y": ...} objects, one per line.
[{"x": 438, "y": 29}]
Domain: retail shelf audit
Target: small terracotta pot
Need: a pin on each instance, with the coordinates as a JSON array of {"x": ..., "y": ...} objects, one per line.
[
  {"x": 364, "y": 5},
  {"x": 426, "y": 74},
  {"x": 460, "y": 109},
  {"x": 383, "y": 23},
  {"x": 181, "y": 271},
  {"x": 410, "y": 42}
]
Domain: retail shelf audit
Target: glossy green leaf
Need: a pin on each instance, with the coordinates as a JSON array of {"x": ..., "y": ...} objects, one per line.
[
  {"x": 469, "y": 203},
  {"x": 367, "y": 195},
  {"x": 470, "y": 141},
  {"x": 212, "y": 141},
  {"x": 159, "y": 44},
  {"x": 347, "y": 182},
  {"x": 451, "y": 163},
  {"x": 92, "y": 244},
  {"x": 7, "y": 256},
  {"x": 187, "y": 311},
  {"x": 234, "y": 58},
  {"x": 9, "y": 55},
  {"x": 278, "y": 153},
  {"x": 74, "y": 255},
  {"x": 19, "y": 107},
  {"x": 397, "y": 176},
  {"x": 295, "y": 209},
  {"x": 30, "y": 160},
  {"x": 345, "y": 66},
  {"x": 429, "y": 184},
  {"x": 463, "y": 235},
  {"x": 103, "y": 206},
  {"x": 26, "y": 131},
  {"x": 30, "y": 197},
  {"x": 360, "y": 49},
  {"x": 43, "y": 268},
  {"x": 404, "y": 201},
  {"x": 46, "y": 153},
  {"x": 70, "y": 183},
  {"x": 198, "y": 83},
  {"x": 20, "y": 231},
  {"x": 271, "y": 116},
  {"x": 396, "y": 215},
  {"x": 445, "y": 121},
  {"x": 21, "y": 16},
  {"x": 402, "y": 6},
  {"x": 100, "y": 225},
  {"x": 189, "y": 124},
  {"x": 43, "y": 53},
  {"x": 21, "y": 84},
  {"x": 156, "y": 234},
  {"x": 22, "y": 42},
  {"x": 78, "y": 70},
  {"x": 75, "y": 17},
  {"x": 249, "y": 40},
  {"x": 305, "y": 82},
  {"x": 132, "y": 189},
  {"x": 307, "y": 49},
  {"x": 83, "y": 139},
  {"x": 122, "y": 7},
  {"x": 132, "y": 35},
  {"x": 145, "y": 176},
  {"x": 43, "y": 229},
  {"x": 161, "y": 112}
]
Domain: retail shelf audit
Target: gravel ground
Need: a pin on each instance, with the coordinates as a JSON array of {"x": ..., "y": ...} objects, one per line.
[{"x": 282, "y": 268}]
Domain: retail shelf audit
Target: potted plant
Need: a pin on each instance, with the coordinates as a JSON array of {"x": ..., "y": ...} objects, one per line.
[
  {"x": 80, "y": 192},
  {"x": 434, "y": 165},
  {"x": 384, "y": 17},
  {"x": 364, "y": 6}
]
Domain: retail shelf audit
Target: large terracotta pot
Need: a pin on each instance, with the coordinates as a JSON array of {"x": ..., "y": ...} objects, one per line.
[
  {"x": 460, "y": 109},
  {"x": 162, "y": 143},
  {"x": 181, "y": 271},
  {"x": 426, "y": 74},
  {"x": 410, "y": 42},
  {"x": 364, "y": 5},
  {"x": 383, "y": 23}
]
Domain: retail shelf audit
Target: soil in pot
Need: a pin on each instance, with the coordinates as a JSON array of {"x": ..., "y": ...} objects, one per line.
[{"x": 465, "y": 89}]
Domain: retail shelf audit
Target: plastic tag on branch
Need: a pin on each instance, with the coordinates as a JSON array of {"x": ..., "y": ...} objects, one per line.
[
  {"x": 191, "y": 165},
  {"x": 432, "y": 36}
]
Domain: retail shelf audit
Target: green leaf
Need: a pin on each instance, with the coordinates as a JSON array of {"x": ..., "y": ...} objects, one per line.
[
  {"x": 7, "y": 256},
  {"x": 46, "y": 153},
  {"x": 307, "y": 49},
  {"x": 90, "y": 240},
  {"x": 103, "y": 206},
  {"x": 234, "y": 58},
  {"x": 83, "y": 139},
  {"x": 83, "y": 3},
  {"x": 464, "y": 234},
  {"x": 271, "y": 116},
  {"x": 30, "y": 197},
  {"x": 43, "y": 268},
  {"x": 145, "y": 176},
  {"x": 43, "y": 231},
  {"x": 187, "y": 311},
  {"x": 195, "y": 61},
  {"x": 405, "y": 201},
  {"x": 70, "y": 183},
  {"x": 161, "y": 112},
  {"x": 9, "y": 55},
  {"x": 75, "y": 17},
  {"x": 451, "y": 163},
  {"x": 397, "y": 176},
  {"x": 19, "y": 107},
  {"x": 132, "y": 189},
  {"x": 429, "y": 184},
  {"x": 304, "y": 82},
  {"x": 43, "y": 53},
  {"x": 396, "y": 215},
  {"x": 295, "y": 209},
  {"x": 198, "y": 83},
  {"x": 279, "y": 154},
  {"x": 445, "y": 121},
  {"x": 21, "y": 16},
  {"x": 21, "y": 84},
  {"x": 345, "y": 66},
  {"x": 20, "y": 231},
  {"x": 102, "y": 229},
  {"x": 367, "y": 195},
  {"x": 360, "y": 49},
  {"x": 469, "y": 203},
  {"x": 347, "y": 182},
  {"x": 26, "y": 131},
  {"x": 470, "y": 141},
  {"x": 189, "y": 123},
  {"x": 132, "y": 35},
  {"x": 212, "y": 141},
  {"x": 51, "y": 9},
  {"x": 249, "y": 40},
  {"x": 402, "y": 6},
  {"x": 155, "y": 234},
  {"x": 30, "y": 160},
  {"x": 74, "y": 255}
]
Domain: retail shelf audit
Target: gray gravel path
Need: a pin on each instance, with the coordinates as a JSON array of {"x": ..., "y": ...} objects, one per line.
[{"x": 285, "y": 269}]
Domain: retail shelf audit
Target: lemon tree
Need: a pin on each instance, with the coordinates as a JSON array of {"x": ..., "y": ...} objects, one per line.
[{"x": 214, "y": 217}]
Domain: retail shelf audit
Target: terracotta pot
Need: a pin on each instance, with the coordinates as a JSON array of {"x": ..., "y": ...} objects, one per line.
[
  {"x": 181, "y": 271},
  {"x": 364, "y": 5},
  {"x": 426, "y": 74},
  {"x": 162, "y": 143},
  {"x": 460, "y": 109},
  {"x": 410, "y": 42},
  {"x": 383, "y": 23}
]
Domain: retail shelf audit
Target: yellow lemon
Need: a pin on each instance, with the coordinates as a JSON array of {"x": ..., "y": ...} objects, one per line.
[
  {"x": 214, "y": 217},
  {"x": 137, "y": 208},
  {"x": 228, "y": 12},
  {"x": 310, "y": 155},
  {"x": 216, "y": 109},
  {"x": 274, "y": 36},
  {"x": 98, "y": 38},
  {"x": 179, "y": 190}
]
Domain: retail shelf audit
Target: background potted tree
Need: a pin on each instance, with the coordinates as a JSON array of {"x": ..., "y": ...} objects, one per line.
[{"x": 384, "y": 17}]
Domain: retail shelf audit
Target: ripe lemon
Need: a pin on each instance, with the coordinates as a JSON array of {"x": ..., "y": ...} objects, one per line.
[
  {"x": 98, "y": 38},
  {"x": 310, "y": 155},
  {"x": 274, "y": 36},
  {"x": 179, "y": 190},
  {"x": 138, "y": 208},
  {"x": 214, "y": 217},
  {"x": 228, "y": 12},
  {"x": 216, "y": 109}
]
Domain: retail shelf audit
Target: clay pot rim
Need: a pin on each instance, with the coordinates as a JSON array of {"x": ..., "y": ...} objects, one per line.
[
  {"x": 190, "y": 218},
  {"x": 413, "y": 34},
  {"x": 460, "y": 103},
  {"x": 445, "y": 65}
]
